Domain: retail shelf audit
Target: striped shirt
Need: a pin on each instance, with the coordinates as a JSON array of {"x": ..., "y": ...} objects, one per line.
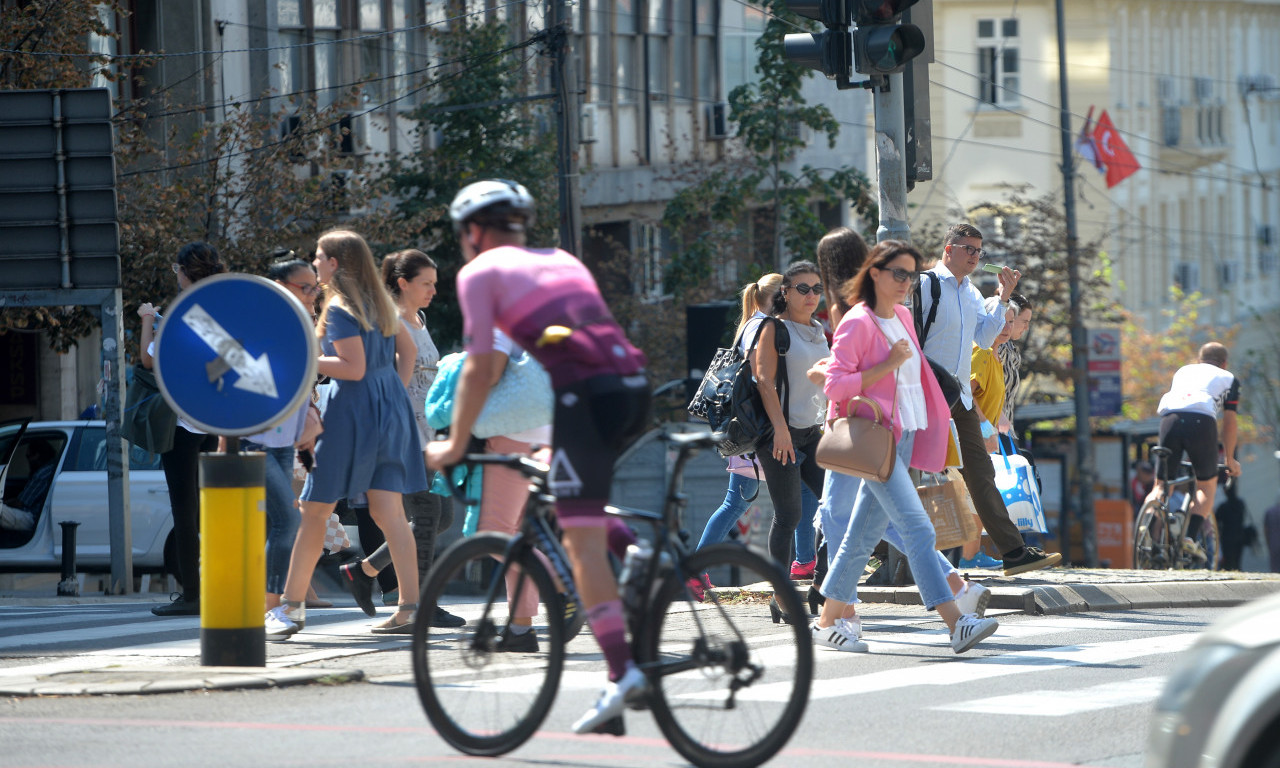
[{"x": 1011, "y": 358}]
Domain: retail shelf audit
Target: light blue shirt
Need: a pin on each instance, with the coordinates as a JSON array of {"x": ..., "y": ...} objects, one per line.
[{"x": 962, "y": 321}]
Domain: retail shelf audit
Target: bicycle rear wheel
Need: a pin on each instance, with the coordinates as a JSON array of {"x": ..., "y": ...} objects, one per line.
[
  {"x": 1151, "y": 538},
  {"x": 727, "y": 687},
  {"x": 481, "y": 699}
]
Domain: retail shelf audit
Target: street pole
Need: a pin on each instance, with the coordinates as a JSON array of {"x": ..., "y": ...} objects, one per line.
[
  {"x": 1079, "y": 350},
  {"x": 564, "y": 77},
  {"x": 891, "y": 162}
]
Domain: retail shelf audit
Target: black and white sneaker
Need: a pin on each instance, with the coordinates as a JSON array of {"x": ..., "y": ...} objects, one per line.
[
  {"x": 1033, "y": 559},
  {"x": 842, "y": 635},
  {"x": 971, "y": 630}
]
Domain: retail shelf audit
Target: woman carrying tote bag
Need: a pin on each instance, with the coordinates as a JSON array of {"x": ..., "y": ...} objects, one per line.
[{"x": 875, "y": 355}]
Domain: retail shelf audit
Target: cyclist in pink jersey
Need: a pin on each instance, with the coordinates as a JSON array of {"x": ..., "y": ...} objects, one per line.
[{"x": 548, "y": 303}]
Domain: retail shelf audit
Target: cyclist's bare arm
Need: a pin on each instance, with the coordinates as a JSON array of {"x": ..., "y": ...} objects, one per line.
[{"x": 1229, "y": 433}]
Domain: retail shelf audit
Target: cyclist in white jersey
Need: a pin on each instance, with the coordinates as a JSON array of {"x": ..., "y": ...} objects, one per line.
[{"x": 1201, "y": 392}]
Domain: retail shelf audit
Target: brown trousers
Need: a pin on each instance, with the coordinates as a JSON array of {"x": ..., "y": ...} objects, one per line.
[{"x": 980, "y": 476}]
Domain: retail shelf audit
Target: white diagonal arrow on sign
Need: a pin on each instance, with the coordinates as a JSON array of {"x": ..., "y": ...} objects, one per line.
[{"x": 255, "y": 374}]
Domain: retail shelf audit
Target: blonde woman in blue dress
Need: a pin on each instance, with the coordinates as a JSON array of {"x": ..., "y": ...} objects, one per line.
[{"x": 370, "y": 441}]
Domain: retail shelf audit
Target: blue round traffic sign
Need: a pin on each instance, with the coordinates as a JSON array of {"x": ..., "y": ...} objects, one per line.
[{"x": 236, "y": 354}]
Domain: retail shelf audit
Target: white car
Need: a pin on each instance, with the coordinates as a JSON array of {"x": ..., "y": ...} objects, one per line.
[
  {"x": 1221, "y": 706},
  {"x": 79, "y": 493}
]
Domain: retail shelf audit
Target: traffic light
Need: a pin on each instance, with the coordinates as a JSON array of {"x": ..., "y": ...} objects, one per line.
[
  {"x": 882, "y": 45},
  {"x": 830, "y": 52}
]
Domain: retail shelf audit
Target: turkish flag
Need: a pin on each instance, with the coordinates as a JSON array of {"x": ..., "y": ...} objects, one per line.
[{"x": 1112, "y": 152}]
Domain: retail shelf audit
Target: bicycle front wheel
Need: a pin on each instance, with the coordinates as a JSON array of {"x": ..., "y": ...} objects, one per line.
[
  {"x": 1151, "y": 538},
  {"x": 728, "y": 687},
  {"x": 484, "y": 690}
]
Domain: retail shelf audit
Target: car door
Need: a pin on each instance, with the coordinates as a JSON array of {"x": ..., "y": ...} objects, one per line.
[
  {"x": 81, "y": 495},
  {"x": 31, "y": 549}
]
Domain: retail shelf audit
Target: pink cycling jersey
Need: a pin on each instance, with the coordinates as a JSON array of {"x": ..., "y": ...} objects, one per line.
[{"x": 522, "y": 291}]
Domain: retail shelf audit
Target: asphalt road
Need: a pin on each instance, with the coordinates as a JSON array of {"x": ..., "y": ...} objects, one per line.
[{"x": 1042, "y": 692}]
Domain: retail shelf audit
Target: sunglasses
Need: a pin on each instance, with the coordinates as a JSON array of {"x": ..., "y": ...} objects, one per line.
[
  {"x": 805, "y": 290},
  {"x": 306, "y": 288},
  {"x": 901, "y": 275}
]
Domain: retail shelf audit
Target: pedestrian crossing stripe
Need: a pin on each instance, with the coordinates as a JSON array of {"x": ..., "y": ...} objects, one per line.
[{"x": 1065, "y": 702}]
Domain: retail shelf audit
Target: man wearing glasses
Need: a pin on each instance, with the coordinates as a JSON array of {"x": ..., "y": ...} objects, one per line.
[{"x": 960, "y": 321}]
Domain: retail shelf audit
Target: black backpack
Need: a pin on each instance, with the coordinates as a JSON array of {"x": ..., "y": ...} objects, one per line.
[
  {"x": 949, "y": 383},
  {"x": 729, "y": 400}
]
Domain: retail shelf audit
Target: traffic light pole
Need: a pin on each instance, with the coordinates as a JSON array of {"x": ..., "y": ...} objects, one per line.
[
  {"x": 891, "y": 161},
  {"x": 1079, "y": 347}
]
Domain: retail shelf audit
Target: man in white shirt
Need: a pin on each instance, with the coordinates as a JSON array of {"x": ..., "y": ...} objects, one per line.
[
  {"x": 960, "y": 321},
  {"x": 1200, "y": 393}
]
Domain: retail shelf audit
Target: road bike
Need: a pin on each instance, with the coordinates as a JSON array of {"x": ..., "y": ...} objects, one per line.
[
  {"x": 1161, "y": 526},
  {"x": 726, "y": 686}
]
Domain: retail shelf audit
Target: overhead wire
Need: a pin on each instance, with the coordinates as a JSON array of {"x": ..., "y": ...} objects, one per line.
[
  {"x": 322, "y": 128},
  {"x": 1004, "y": 108},
  {"x": 264, "y": 49}
]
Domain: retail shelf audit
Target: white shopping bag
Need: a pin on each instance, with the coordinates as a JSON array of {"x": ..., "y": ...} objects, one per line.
[{"x": 1018, "y": 489}]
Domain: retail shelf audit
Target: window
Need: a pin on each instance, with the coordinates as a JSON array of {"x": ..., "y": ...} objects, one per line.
[
  {"x": 320, "y": 56},
  {"x": 91, "y": 455},
  {"x": 998, "y": 65},
  {"x": 626, "y": 59},
  {"x": 741, "y": 26},
  {"x": 704, "y": 44},
  {"x": 654, "y": 243},
  {"x": 659, "y": 41}
]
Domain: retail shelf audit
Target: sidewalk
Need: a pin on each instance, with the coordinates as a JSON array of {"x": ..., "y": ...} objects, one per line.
[
  {"x": 324, "y": 653},
  {"x": 1074, "y": 590}
]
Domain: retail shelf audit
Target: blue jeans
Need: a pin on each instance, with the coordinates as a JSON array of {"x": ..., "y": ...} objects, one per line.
[
  {"x": 282, "y": 515},
  {"x": 876, "y": 506},
  {"x": 735, "y": 505},
  {"x": 839, "y": 492}
]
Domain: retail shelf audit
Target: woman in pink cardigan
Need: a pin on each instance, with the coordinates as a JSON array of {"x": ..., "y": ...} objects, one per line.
[{"x": 875, "y": 354}]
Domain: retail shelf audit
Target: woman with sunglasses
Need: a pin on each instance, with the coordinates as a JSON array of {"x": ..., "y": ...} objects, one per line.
[
  {"x": 794, "y": 403},
  {"x": 195, "y": 262},
  {"x": 278, "y": 443},
  {"x": 875, "y": 354}
]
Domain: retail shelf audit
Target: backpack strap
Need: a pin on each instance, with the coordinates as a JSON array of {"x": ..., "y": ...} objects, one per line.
[
  {"x": 917, "y": 308},
  {"x": 782, "y": 344}
]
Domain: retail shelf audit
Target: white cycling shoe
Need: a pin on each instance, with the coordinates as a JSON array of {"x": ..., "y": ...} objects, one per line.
[{"x": 629, "y": 688}]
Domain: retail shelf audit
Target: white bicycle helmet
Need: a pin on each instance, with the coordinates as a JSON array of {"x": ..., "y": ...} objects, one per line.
[{"x": 480, "y": 195}]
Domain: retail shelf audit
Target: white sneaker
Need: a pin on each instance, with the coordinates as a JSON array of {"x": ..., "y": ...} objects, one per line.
[
  {"x": 970, "y": 630},
  {"x": 973, "y": 599},
  {"x": 630, "y": 688},
  {"x": 281, "y": 623},
  {"x": 843, "y": 636}
]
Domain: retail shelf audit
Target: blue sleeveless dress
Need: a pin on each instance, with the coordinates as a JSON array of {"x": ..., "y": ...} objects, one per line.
[{"x": 370, "y": 439}]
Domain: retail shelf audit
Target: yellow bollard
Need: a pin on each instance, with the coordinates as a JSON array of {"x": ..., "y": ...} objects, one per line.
[{"x": 233, "y": 568}]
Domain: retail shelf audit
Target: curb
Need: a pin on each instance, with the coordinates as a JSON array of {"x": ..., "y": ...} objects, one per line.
[
  {"x": 1057, "y": 599},
  {"x": 121, "y": 681}
]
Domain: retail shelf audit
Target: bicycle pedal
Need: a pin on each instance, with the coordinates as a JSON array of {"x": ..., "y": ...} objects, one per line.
[{"x": 614, "y": 727}]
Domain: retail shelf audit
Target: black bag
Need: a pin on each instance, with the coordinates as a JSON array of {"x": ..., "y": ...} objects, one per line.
[
  {"x": 729, "y": 400},
  {"x": 946, "y": 380},
  {"x": 148, "y": 422}
]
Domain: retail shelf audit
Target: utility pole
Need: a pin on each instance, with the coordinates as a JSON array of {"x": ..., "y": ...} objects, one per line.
[
  {"x": 891, "y": 161},
  {"x": 1079, "y": 349},
  {"x": 564, "y": 78}
]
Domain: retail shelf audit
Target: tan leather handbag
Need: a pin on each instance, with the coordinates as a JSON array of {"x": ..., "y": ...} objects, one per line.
[{"x": 858, "y": 446}]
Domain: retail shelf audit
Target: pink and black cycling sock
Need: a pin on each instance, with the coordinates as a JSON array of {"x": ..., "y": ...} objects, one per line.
[
  {"x": 610, "y": 629},
  {"x": 620, "y": 537}
]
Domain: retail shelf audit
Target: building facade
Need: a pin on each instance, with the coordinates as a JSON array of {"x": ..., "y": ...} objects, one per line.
[
  {"x": 1192, "y": 90},
  {"x": 654, "y": 78}
]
